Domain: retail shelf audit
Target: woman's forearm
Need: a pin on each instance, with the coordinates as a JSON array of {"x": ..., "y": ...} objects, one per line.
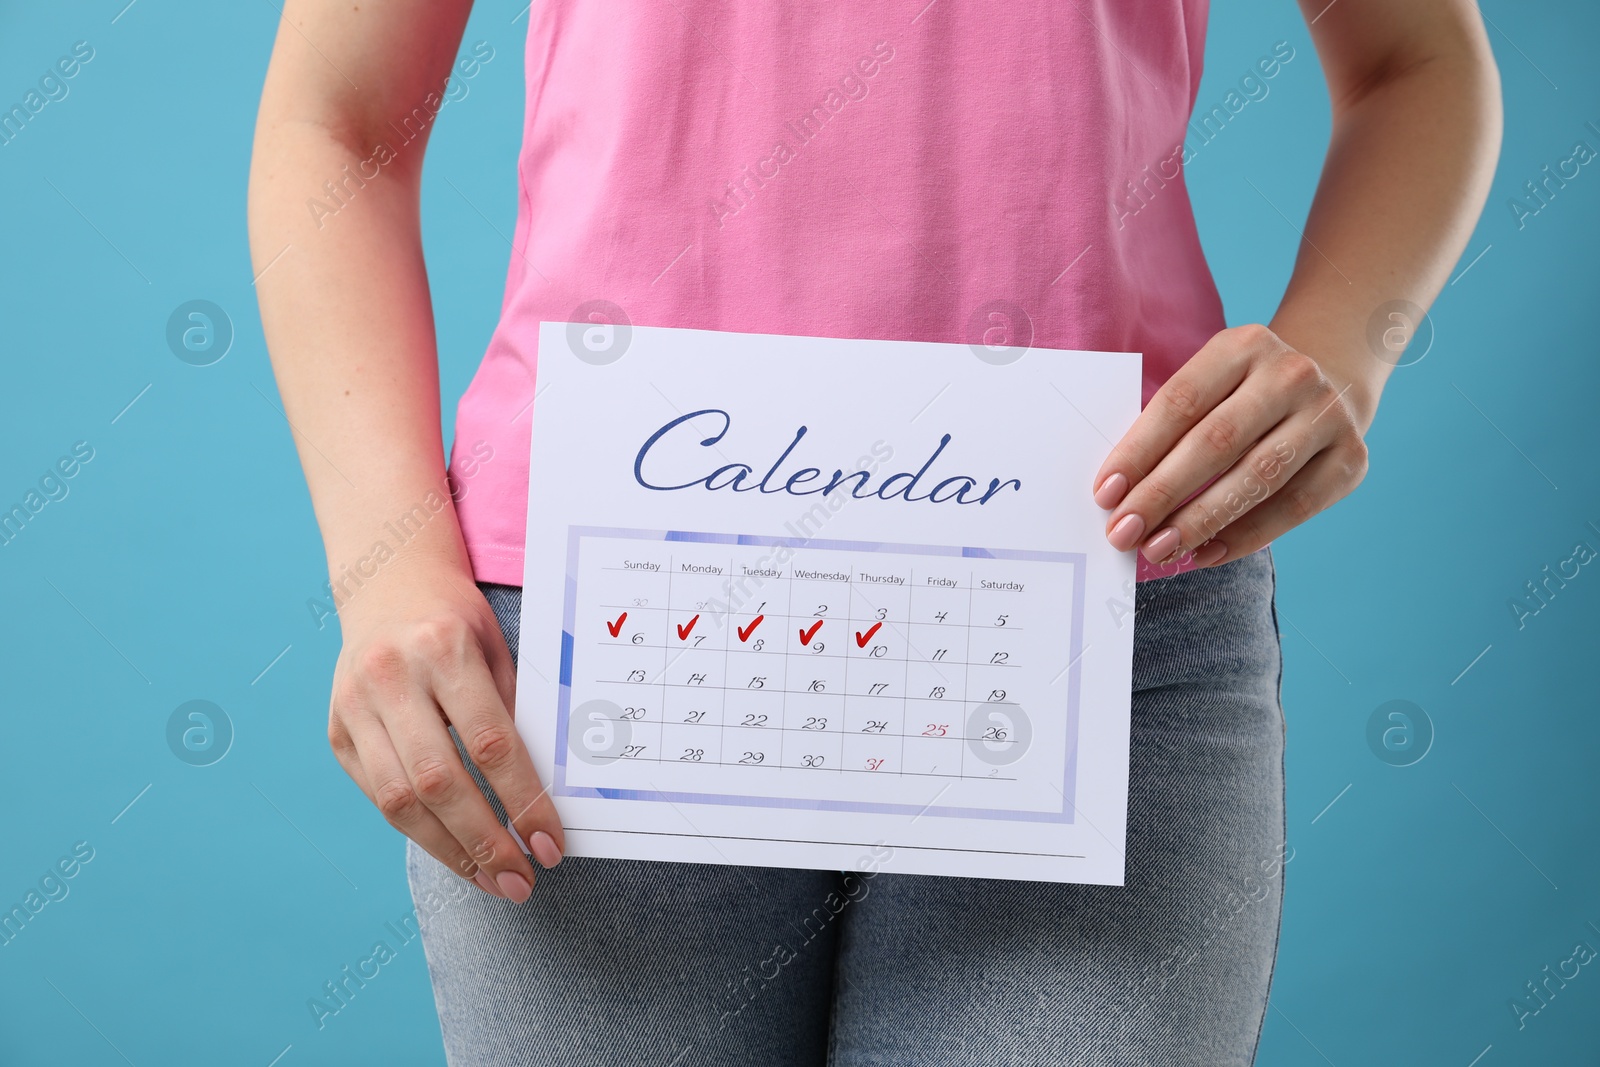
[
  {"x": 1265, "y": 427},
  {"x": 1407, "y": 172},
  {"x": 346, "y": 312}
]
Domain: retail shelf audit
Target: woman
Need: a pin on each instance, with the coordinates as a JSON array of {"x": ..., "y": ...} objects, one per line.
[{"x": 938, "y": 171}]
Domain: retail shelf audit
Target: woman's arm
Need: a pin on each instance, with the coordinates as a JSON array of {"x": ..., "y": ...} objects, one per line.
[
  {"x": 349, "y": 324},
  {"x": 1280, "y": 412}
]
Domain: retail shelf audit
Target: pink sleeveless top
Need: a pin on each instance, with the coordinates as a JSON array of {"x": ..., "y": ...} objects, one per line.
[{"x": 943, "y": 171}]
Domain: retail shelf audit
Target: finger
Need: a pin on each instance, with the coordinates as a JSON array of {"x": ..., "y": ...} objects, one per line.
[
  {"x": 1264, "y": 469},
  {"x": 441, "y": 782},
  {"x": 473, "y": 704},
  {"x": 370, "y": 759},
  {"x": 1209, "y": 376},
  {"x": 545, "y": 839},
  {"x": 344, "y": 750},
  {"x": 1325, "y": 479},
  {"x": 1210, "y": 448}
]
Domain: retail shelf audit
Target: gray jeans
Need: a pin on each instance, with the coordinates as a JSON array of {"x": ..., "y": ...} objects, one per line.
[{"x": 623, "y": 962}]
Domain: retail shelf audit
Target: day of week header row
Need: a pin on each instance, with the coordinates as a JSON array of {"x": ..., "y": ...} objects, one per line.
[{"x": 861, "y": 575}]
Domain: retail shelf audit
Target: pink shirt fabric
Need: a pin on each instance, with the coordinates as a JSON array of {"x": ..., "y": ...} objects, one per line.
[{"x": 839, "y": 169}]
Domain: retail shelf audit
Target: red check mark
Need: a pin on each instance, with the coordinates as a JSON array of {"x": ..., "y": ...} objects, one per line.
[
  {"x": 684, "y": 628},
  {"x": 746, "y": 631},
  {"x": 807, "y": 635},
  {"x": 863, "y": 638},
  {"x": 616, "y": 627}
]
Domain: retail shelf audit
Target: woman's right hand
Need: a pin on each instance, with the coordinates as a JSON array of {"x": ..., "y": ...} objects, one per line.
[{"x": 422, "y": 651}]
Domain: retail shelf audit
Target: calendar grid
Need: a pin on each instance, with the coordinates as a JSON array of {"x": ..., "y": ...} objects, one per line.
[
  {"x": 722, "y": 696},
  {"x": 845, "y": 682},
  {"x": 881, "y": 659},
  {"x": 866, "y": 566},
  {"x": 966, "y": 653},
  {"x": 783, "y": 713},
  {"x": 774, "y": 768},
  {"x": 905, "y": 662},
  {"x": 803, "y": 730}
]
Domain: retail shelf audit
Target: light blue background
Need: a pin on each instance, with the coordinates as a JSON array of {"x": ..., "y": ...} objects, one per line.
[{"x": 179, "y": 567}]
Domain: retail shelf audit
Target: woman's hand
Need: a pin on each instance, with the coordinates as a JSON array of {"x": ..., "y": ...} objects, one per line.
[
  {"x": 422, "y": 651},
  {"x": 1281, "y": 441}
]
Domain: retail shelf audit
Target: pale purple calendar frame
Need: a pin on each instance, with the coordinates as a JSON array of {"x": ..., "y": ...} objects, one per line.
[{"x": 1069, "y": 779}]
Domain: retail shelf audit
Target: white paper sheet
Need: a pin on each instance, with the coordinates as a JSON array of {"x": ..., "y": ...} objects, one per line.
[{"x": 831, "y": 604}]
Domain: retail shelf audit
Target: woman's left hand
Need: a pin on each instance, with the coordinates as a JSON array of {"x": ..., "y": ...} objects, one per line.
[{"x": 1281, "y": 440}]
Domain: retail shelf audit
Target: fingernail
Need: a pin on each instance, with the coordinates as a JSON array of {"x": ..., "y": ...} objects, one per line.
[
  {"x": 1125, "y": 532},
  {"x": 514, "y": 886},
  {"x": 1209, "y": 553},
  {"x": 544, "y": 849},
  {"x": 482, "y": 878},
  {"x": 1162, "y": 545},
  {"x": 1111, "y": 491}
]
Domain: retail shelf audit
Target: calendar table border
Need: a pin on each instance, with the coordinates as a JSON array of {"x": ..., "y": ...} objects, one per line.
[{"x": 575, "y": 534}]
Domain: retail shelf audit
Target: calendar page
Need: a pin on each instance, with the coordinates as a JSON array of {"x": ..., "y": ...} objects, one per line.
[{"x": 824, "y": 603}]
